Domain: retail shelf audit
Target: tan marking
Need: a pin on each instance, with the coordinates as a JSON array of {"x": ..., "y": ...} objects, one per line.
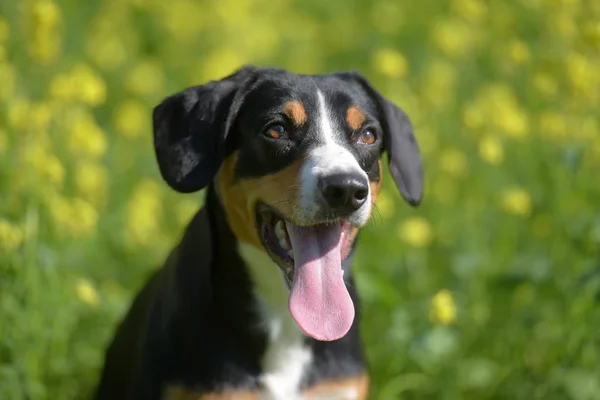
[
  {"x": 180, "y": 393},
  {"x": 295, "y": 111},
  {"x": 359, "y": 384},
  {"x": 355, "y": 118},
  {"x": 279, "y": 190},
  {"x": 376, "y": 187}
]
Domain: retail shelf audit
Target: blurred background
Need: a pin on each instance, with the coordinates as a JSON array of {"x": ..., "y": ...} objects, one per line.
[{"x": 489, "y": 290}]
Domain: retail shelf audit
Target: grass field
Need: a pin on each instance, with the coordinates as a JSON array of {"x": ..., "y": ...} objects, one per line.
[{"x": 489, "y": 290}]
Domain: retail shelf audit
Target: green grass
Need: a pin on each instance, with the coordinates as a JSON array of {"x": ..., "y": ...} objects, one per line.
[{"x": 489, "y": 290}]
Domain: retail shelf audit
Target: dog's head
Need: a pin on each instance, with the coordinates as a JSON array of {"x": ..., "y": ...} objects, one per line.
[{"x": 296, "y": 162}]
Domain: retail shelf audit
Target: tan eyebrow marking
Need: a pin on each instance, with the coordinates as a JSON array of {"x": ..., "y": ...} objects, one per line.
[
  {"x": 355, "y": 117},
  {"x": 295, "y": 111}
]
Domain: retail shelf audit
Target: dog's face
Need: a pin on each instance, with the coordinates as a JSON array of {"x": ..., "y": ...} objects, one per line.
[{"x": 296, "y": 163}]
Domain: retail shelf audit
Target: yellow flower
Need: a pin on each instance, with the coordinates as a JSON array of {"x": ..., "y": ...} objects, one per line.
[
  {"x": 41, "y": 21},
  {"x": 45, "y": 13},
  {"x": 454, "y": 37},
  {"x": 82, "y": 83},
  {"x": 263, "y": 41},
  {"x": 474, "y": 116},
  {"x": 62, "y": 87},
  {"x": 220, "y": 63},
  {"x": 562, "y": 24},
  {"x": 132, "y": 118},
  {"x": 54, "y": 169},
  {"x": 75, "y": 216},
  {"x": 491, "y": 150},
  {"x": 86, "y": 292},
  {"x": 145, "y": 78},
  {"x": 45, "y": 164},
  {"x": 58, "y": 207},
  {"x": 183, "y": 19},
  {"x": 516, "y": 201},
  {"x": 443, "y": 308},
  {"x": 496, "y": 106},
  {"x": 390, "y": 62},
  {"x": 471, "y": 10},
  {"x": 18, "y": 114},
  {"x": 584, "y": 77},
  {"x": 416, "y": 232},
  {"x": 40, "y": 116},
  {"x": 90, "y": 87},
  {"x": 86, "y": 137},
  {"x": 518, "y": 52},
  {"x": 503, "y": 110},
  {"x": 568, "y": 6},
  {"x": 11, "y": 236},
  {"x": 512, "y": 120},
  {"x": 91, "y": 180},
  {"x": 440, "y": 79},
  {"x": 144, "y": 212},
  {"x": 454, "y": 162},
  {"x": 233, "y": 11},
  {"x": 46, "y": 47},
  {"x": 106, "y": 49}
]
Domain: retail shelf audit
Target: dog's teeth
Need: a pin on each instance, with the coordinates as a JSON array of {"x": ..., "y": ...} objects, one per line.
[
  {"x": 284, "y": 244},
  {"x": 280, "y": 230},
  {"x": 342, "y": 272}
]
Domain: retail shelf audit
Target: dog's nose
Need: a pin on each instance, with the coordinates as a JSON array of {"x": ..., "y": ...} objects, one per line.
[{"x": 344, "y": 192}]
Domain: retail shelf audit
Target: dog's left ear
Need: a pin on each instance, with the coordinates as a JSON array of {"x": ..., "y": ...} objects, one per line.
[
  {"x": 190, "y": 129},
  {"x": 399, "y": 142}
]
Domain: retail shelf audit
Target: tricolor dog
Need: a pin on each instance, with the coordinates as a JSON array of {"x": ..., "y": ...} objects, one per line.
[{"x": 257, "y": 301}]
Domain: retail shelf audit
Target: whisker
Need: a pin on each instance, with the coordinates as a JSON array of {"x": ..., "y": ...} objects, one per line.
[{"x": 376, "y": 209}]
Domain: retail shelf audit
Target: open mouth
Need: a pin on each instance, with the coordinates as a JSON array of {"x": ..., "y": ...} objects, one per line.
[
  {"x": 310, "y": 258},
  {"x": 276, "y": 238}
]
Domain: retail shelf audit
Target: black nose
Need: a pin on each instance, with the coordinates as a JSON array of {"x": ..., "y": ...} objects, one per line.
[{"x": 344, "y": 193}]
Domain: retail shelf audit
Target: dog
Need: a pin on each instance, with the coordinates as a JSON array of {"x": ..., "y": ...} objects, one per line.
[{"x": 258, "y": 301}]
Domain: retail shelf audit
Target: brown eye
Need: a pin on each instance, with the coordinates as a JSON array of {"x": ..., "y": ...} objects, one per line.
[
  {"x": 368, "y": 136},
  {"x": 275, "y": 131}
]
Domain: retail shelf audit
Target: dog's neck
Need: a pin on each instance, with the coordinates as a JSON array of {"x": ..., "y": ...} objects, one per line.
[
  {"x": 248, "y": 283},
  {"x": 230, "y": 280}
]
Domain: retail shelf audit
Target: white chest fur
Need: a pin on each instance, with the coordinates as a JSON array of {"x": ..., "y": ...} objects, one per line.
[{"x": 286, "y": 357}]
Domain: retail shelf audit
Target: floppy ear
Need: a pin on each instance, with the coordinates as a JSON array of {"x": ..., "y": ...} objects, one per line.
[
  {"x": 400, "y": 144},
  {"x": 190, "y": 129}
]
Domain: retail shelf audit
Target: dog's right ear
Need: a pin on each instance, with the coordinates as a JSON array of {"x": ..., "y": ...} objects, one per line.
[{"x": 190, "y": 129}]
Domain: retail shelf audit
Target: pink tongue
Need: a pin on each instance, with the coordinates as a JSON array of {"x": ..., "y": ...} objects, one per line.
[{"x": 319, "y": 300}]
